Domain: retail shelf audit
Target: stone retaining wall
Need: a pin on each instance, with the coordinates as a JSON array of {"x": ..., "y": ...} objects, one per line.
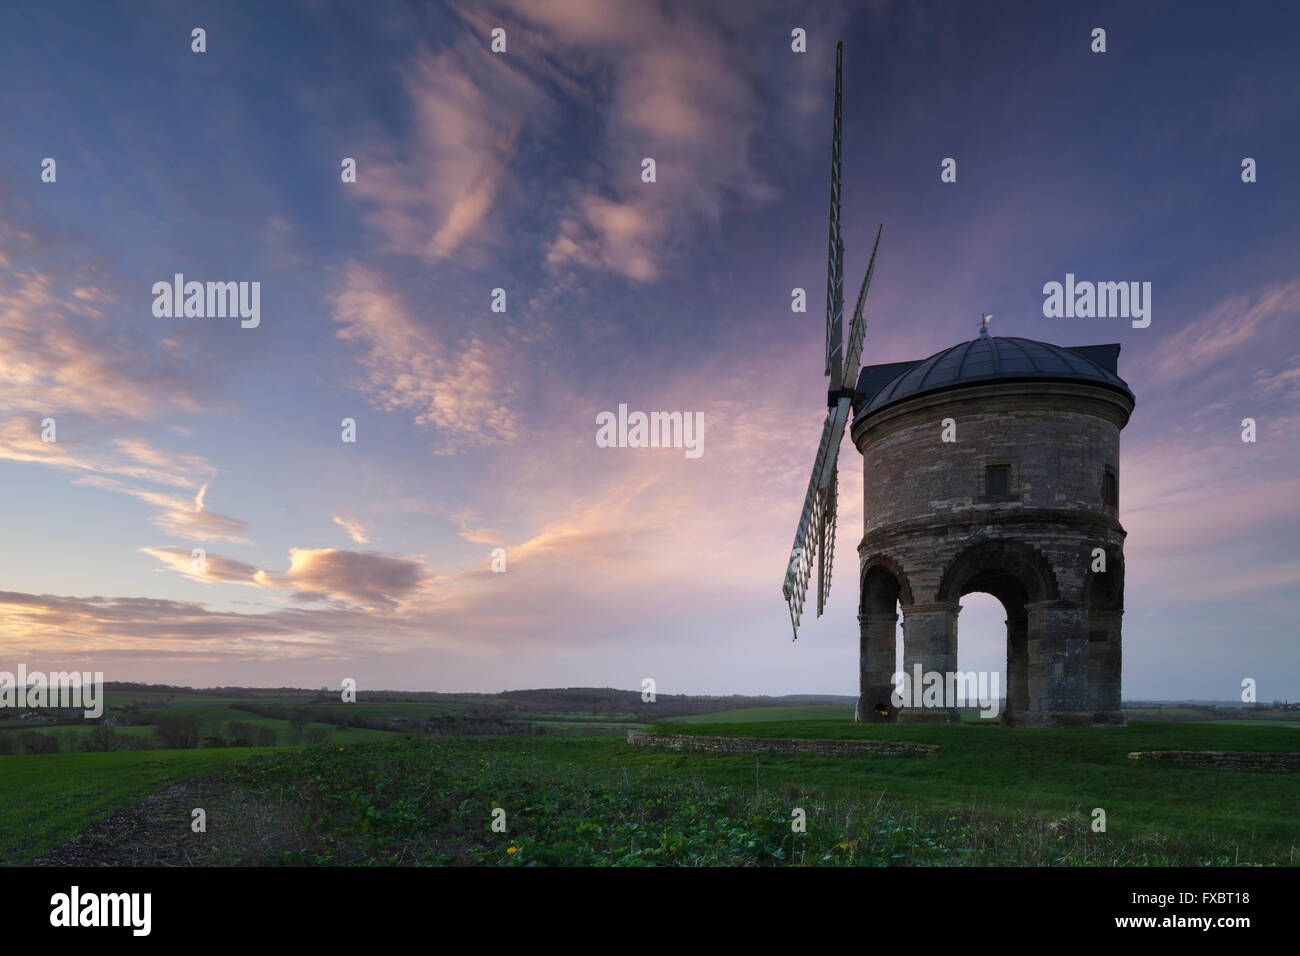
[
  {"x": 782, "y": 745},
  {"x": 1222, "y": 760}
]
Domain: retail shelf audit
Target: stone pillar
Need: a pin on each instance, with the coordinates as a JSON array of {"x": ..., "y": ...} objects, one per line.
[
  {"x": 877, "y": 652},
  {"x": 930, "y": 644},
  {"x": 1104, "y": 668},
  {"x": 1017, "y": 671},
  {"x": 1058, "y": 664}
]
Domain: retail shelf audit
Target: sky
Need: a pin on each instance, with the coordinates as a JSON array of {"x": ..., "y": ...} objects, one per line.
[{"x": 475, "y": 428}]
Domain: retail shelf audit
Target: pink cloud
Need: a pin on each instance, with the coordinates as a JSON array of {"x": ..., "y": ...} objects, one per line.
[
  {"x": 55, "y": 357},
  {"x": 365, "y": 577},
  {"x": 466, "y": 390},
  {"x": 135, "y": 458},
  {"x": 1230, "y": 324},
  {"x": 214, "y": 567},
  {"x": 355, "y": 529},
  {"x": 469, "y": 108}
]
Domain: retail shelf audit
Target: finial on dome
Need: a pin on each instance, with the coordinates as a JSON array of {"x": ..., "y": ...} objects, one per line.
[{"x": 984, "y": 325}]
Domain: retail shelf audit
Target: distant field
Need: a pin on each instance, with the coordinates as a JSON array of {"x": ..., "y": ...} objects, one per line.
[
  {"x": 283, "y": 732},
  {"x": 571, "y": 715},
  {"x": 753, "y": 714},
  {"x": 834, "y": 712},
  {"x": 558, "y": 728},
  {"x": 793, "y": 712}
]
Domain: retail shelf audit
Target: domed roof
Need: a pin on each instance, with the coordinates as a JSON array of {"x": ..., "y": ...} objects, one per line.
[{"x": 1000, "y": 358}]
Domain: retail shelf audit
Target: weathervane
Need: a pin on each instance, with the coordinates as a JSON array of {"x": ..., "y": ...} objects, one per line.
[{"x": 984, "y": 325}]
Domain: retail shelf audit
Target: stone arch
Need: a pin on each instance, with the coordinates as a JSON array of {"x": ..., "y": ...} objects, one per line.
[
  {"x": 893, "y": 569},
  {"x": 1023, "y": 580},
  {"x": 996, "y": 562},
  {"x": 884, "y": 585}
]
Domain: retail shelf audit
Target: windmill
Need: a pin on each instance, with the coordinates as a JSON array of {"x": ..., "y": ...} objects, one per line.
[{"x": 815, "y": 535}]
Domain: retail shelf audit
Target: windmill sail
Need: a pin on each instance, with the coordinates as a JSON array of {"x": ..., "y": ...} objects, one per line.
[
  {"x": 858, "y": 327},
  {"x": 835, "y": 250},
  {"x": 826, "y": 556},
  {"x": 808, "y": 534},
  {"x": 814, "y": 538}
]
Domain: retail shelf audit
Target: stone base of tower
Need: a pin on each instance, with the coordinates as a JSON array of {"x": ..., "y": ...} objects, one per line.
[{"x": 869, "y": 710}]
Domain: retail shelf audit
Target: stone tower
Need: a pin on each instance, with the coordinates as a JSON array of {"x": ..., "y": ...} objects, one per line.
[{"x": 1015, "y": 504}]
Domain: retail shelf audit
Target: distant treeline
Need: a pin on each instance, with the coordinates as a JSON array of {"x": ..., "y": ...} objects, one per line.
[
  {"x": 171, "y": 732},
  {"x": 553, "y": 699},
  {"x": 605, "y": 700},
  {"x": 471, "y": 721}
]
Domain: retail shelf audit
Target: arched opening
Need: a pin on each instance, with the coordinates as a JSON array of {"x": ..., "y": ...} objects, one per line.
[
  {"x": 1021, "y": 580},
  {"x": 884, "y": 588},
  {"x": 987, "y": 644}
]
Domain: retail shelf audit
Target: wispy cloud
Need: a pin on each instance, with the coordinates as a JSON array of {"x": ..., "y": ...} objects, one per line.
[
  {"x": 678, "y": 93},
  {"x": 438, "y": 192},
  {"x": 214, "y": 567},
  {"x": 58, "y": 356},
  {"x": 315, "y": 574},
  {"x": 355, "y": 529},
  {"x": 180, "y": 517},
  {"x": 135, "y": 458},
  {"x": 1232, "y": 323},
  {"x": 465, "y": 389}
]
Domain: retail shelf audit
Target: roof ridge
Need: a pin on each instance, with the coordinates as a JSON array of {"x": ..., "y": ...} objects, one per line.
[
  {"x": 1017, "y": 340},
  {"x": 961, "y": 362}
]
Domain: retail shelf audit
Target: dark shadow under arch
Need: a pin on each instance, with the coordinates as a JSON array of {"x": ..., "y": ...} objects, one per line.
[
  {"x": 884, "y": 586},
  {"x": 875, "y": 586}
]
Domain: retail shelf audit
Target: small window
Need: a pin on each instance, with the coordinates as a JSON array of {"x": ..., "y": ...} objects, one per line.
[
  {"x": 998, "y": 481},
  {"x": 1109, "y": 489}
]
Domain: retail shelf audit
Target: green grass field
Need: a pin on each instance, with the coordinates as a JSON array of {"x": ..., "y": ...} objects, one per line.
[
  {"x": 1004, "y": 771},
  {"x": 46, "y": 799},
  {"x": 991, "y": 795}
]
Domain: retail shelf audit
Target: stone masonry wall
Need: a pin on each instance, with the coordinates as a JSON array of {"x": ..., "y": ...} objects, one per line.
[
  {"x": 748, "y": 745},
  {"x": 1057, "y": 447},
  {"x": 924, "y": 498},
  {"x": 1222, "y": 760}
]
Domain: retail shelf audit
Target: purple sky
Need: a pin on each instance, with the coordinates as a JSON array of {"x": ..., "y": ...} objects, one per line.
[{"x": 476, "y": 429}]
